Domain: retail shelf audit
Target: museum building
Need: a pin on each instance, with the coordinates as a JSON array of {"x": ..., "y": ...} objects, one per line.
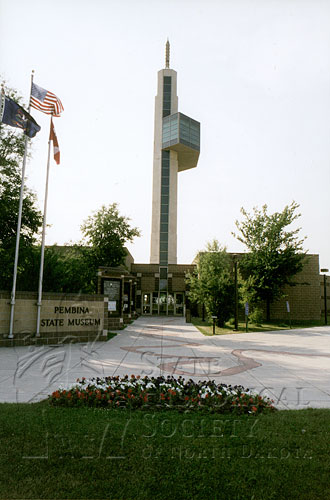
[{"x": 159, "y": 288}]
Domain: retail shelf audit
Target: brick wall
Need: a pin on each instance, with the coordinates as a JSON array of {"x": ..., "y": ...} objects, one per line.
[{"x": 305, "y": 297}]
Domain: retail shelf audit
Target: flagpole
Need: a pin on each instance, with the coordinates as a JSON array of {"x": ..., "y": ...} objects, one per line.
[
  {"x": 2, "y": 101},
  {"x": 19, "y": 223},
  {"x": 41, "y": 272}
]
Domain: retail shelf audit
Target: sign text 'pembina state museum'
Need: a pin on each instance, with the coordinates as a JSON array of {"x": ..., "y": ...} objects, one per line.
[{"x": 70, "y": 316}]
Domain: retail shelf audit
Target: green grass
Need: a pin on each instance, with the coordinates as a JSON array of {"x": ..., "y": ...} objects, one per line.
[
  {"x": 206, "y": 327},
  {"x": 111, "y": 335},
  {"x": 79, "y": 453}
]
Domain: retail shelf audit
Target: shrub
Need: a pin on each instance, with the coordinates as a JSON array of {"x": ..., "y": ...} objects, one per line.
[{"x": 257, "y": 316}]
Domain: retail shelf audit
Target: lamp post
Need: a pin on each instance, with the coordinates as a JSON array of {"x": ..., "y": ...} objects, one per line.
[
  {"x": 236, "y": 293},
  {"x": 214, "y": 318},
  {"x": 325, "y": 294}
]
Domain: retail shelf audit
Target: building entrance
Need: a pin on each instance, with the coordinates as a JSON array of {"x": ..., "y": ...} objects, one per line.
[{"x": 163, "y": 303}]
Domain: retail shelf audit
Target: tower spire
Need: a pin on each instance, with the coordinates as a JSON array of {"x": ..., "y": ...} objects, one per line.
[{"x": 167, "y": 55}]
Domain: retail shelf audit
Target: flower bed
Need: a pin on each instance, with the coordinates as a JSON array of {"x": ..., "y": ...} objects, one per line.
[{"x": 161, "y": 393}]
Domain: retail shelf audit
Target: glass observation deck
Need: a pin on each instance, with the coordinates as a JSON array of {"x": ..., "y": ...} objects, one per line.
[{"x": 182, "y": 134}]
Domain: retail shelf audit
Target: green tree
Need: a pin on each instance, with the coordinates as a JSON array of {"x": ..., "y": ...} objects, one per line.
[
  {"x": 212, "y": 283},
  {"x": 274, "y": 256},
  {"x": 105, "y": 233},
  {"x": 65, "y": 271},
  {"x": 11, "y": 156}
]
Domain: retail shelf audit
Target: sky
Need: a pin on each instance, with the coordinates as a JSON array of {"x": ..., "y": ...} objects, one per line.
[{"x": 255, "y": 73}]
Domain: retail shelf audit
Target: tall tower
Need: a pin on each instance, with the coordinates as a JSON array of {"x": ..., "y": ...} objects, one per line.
[{"x": 176, "y": 148}]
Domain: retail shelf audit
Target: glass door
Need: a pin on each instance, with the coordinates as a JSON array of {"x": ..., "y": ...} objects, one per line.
[
  {"x": 162, "y": 303},
  {"x": 146, "y": 305},
  {"x": 179, "y": 302},
  {"x": 170, "y": 304},
  {"x": 155, "y": 301}
]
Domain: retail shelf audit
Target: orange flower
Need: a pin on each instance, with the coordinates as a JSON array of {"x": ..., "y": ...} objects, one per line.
[
  {"x": 254, "y": 409},
  {"x": 69, "y": 395},
  {"x": 186, "y": 398}
]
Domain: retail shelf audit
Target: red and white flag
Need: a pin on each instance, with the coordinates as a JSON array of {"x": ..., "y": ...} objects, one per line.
[
  {"x": 53, "y": 137},
  {"x": 45, "y": 101}
]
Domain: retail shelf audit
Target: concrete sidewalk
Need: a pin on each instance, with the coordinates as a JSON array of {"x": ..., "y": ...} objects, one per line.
[{"x": 292, "y": 367}]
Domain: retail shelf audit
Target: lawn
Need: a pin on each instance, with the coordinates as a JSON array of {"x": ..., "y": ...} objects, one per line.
[
  {"x": 87, "y": 453},
  {"x": 206, "y": 327}
]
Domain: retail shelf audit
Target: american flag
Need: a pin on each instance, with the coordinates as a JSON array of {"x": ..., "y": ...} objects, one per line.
[
  {"x": 45, "y": 101},
  {"x": 53, "y": 137}
]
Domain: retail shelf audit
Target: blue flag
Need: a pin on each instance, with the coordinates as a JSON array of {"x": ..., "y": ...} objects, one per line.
[{"x": 14, "y": 115}]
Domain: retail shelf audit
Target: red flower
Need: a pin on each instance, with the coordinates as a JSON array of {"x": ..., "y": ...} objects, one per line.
[{"x": 254, "y": 409}]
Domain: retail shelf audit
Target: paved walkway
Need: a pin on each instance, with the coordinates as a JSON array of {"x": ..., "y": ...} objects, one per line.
[{"x": 292, "y": 367}]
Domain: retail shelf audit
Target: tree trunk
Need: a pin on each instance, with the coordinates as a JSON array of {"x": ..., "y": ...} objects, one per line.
[{"x": 267, "y": 309}]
